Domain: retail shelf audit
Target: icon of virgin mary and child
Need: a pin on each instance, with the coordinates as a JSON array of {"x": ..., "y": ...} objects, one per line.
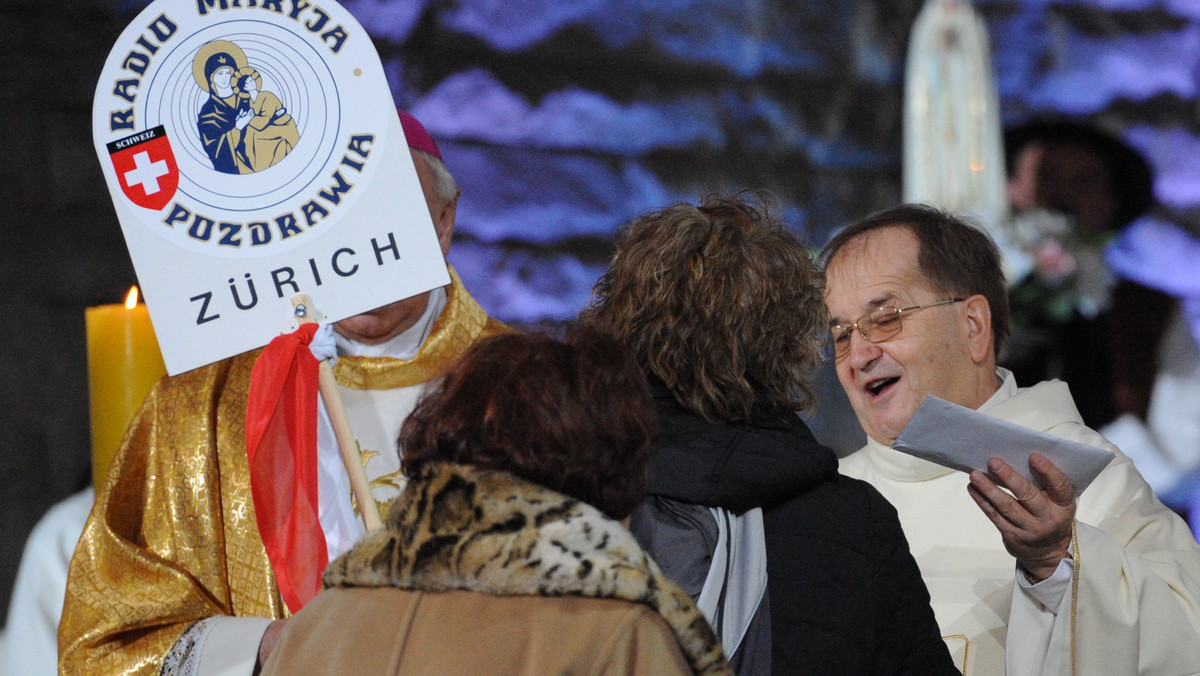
[{"x": 243, "y": 129}]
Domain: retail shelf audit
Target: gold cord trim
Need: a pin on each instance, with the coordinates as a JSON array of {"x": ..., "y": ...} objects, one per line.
[
  {"x": 966, "y": 649},
  {"x": 1074, "y": 595},
  {"x": 460, "y": 324}
]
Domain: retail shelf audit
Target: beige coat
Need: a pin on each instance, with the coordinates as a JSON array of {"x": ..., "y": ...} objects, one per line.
[
  {"x": 479, "y": 572},
  {"x": 398, "y": 632}
]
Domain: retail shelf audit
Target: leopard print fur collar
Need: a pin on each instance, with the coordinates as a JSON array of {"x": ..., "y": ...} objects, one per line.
[{"x": 457, "y": 527}]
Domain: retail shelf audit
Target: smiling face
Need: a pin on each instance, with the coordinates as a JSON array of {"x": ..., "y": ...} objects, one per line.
[{"x": 945, "y": 351}]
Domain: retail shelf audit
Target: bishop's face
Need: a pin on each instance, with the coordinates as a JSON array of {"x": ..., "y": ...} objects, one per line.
[{"x": 932, "y": 354}]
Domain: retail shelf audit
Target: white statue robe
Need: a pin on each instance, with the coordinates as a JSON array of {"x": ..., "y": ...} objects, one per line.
[{"x": 1133, "y": 605}]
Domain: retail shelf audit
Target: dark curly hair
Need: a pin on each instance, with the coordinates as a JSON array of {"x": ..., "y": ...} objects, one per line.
[
  {"x": 719, "y": 302},
  {"x": 573, "y": 415}
]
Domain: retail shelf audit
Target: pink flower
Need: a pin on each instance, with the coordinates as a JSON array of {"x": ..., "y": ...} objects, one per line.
[{"x": 1054, "y": 263}]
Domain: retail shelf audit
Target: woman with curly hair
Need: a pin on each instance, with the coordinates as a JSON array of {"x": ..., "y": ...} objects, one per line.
[{"x": 799, "y": 569}]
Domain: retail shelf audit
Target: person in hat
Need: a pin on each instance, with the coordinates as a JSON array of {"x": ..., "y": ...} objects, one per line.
[
  {"x": 171, "y": 573},
  {"x": 1073, "y": 188}
]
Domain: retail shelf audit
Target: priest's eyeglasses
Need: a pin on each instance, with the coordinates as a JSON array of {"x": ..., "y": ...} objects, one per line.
[{"x": 876, "y": 326}]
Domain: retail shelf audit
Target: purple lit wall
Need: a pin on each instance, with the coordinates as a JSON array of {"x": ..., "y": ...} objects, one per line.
[
  {"x": 1129, "y": 66},
  {"x": 563, "y": 120}
]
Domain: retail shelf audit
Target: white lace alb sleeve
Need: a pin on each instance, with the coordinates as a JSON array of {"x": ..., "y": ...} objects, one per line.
[{"x": 217, "y": 646}]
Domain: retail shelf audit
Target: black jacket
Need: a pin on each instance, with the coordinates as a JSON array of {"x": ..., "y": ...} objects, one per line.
[{"x": 845, "y": 595}]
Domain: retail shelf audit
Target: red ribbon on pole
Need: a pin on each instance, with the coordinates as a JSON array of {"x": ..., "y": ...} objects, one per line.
[{"x": 281, "y": 446}]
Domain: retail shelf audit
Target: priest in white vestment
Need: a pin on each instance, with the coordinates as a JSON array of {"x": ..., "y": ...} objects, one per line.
[{"x": 1024, "y": 580}]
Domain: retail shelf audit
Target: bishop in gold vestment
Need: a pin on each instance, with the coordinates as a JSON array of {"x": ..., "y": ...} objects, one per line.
[{"x": 173, "y": 538}]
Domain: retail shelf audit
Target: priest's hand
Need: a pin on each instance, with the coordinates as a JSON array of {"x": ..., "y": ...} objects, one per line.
[{"x": 1035, "y": 523}]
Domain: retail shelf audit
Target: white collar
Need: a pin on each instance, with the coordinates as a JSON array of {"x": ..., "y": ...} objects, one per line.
[{"x": 904, "y": 467}]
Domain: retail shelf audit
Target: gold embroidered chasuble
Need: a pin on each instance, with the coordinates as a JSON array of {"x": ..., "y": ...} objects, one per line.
[{"x": 172, "y": 538}]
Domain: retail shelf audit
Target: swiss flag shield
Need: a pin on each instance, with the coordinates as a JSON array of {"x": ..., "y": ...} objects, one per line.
[{"x": 146, "y": 167}]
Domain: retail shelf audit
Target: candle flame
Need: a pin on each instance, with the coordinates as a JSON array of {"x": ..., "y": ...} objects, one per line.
[{"x": 131, "y": 298}]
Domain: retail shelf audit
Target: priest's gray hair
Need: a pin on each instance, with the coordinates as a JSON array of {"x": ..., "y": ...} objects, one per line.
[{"x": 444, "y": 184}]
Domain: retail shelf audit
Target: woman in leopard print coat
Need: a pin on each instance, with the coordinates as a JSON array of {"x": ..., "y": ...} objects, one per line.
[{"x": 505, "y": 554}]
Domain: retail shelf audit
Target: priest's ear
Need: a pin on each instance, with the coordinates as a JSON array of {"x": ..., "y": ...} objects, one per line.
[
  {"x": 979, "y": 328},
  {"x": 441, "y": 195},
  {"x": 443, "y": 222}
]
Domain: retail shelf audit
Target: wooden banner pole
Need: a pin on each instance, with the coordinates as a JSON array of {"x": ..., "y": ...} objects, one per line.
[{"x": 351, "y": 459}]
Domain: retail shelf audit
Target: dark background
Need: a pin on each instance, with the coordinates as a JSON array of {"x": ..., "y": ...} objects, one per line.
[{"x": 561, "y": 120}]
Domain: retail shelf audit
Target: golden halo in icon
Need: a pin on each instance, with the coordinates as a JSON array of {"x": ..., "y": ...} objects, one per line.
[
  {"x": 237, "y": 79},
  {"x": 216, "y": 47}
]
